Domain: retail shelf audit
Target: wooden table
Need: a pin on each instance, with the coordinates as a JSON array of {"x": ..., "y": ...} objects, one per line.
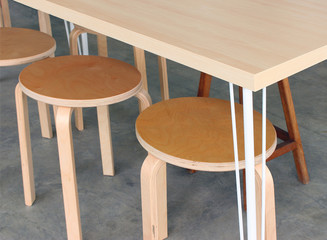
[{"x": 250, "y": 43}]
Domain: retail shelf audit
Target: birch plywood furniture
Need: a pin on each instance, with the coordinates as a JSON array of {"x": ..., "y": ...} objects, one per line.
[
  {"x": 21, "y": 46},
  {"x": 70, "y": 82},
  {"x": 291, "y": 139},
  {"x": 252, "y": 44},
  {"x": 194, "y": 133},
  {"x": 103, "y": 51}
]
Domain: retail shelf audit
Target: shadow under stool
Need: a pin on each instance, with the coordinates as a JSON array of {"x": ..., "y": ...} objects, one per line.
[
  {"x": 67, "y": 83},
  {"x": 196, "y": 133}
]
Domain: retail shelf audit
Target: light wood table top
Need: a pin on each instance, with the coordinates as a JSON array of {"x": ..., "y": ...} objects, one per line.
[{"x": 250, "y": 43}]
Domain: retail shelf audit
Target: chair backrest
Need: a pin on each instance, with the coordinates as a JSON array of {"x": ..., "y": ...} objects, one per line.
[{"x": 4, "y": 14}]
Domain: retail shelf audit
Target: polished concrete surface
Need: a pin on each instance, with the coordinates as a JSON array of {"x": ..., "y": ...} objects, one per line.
[{"x": 200, "y": 206}]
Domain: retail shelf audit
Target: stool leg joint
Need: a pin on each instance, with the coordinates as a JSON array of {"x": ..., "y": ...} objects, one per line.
[
  {"x": 144, "y": 99},
  {"x": 154, "y": 198}
]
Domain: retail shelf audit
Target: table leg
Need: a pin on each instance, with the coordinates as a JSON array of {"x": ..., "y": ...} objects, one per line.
[
  {"x": 249, "y": 163},
  {"x": 68, "y": 174}
]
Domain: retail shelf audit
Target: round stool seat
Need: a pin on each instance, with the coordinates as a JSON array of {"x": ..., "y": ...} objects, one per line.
[
  {"x": 80, "y": 81},
  {"x": 20, "y": 46},
  {"x": 196, "y": 133}
]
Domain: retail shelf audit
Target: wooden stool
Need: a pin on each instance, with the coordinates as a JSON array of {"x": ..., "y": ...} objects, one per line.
[
  {"x": 195, "y": 133},
  {"x": 69, "y": 82},
  {"x": 291, "y": 139},
  {"x": 103, "y": 51},
  {"x": 21, "y": 46}
]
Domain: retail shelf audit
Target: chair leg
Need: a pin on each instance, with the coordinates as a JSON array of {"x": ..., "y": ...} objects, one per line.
[
  {"x": 270, "y": 212},
  {"x": 154, "y": 199},
  {"x": 105, "y": 140},
  {"x": 45, "y": 120},
  {"x": 79, "y": 123},
  {"x": 204, "y": 85},
  {"x": 68, "y": 174},
  {"x": 144, "y": 99},
  {"x": 293, "y": 130},
  {"x": 25, "y": 146},
  {"x": 163, "y": 78}
]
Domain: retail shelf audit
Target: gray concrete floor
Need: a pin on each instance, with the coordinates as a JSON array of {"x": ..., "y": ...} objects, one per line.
[{"x": 200, "y": 206}]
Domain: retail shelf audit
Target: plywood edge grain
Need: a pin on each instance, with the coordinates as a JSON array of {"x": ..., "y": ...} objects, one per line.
[
  {"x": 289, "y": 68},
  {"x": 200, "y": 166}
]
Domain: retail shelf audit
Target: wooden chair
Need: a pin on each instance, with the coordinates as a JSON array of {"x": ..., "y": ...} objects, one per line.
[
  {"x": 21, "y": 46},
  {"x": 71, "y": 82},
  {"x": 195, "y": 133},
  {"x": 291, "y": 139}
]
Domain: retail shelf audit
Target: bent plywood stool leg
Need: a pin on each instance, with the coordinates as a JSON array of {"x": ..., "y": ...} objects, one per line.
[
  {"x": 270, "y": 214},
  {"x": 154, "y": 198},
  {"x": 68, "y": 173},
  {"x": 105, "y": 132},
  {"x": 25, "y": 146},
  {"x": 73, "y": 40},
  {"x": 144, "y": 99},
  {"x": 105, "y": 140},
  {"x": 45, "y": 120},
  {"x": 163, "y": 78},
  {"x": 44, "y": 112}
]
